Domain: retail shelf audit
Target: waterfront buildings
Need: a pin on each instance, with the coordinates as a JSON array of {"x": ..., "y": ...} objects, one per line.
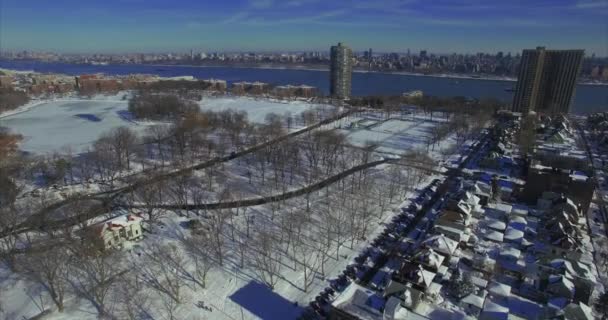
[
  {"x": 547, "y": 80},
  {"x": 501, "y": 64},
  {"x": 341, "y": 69}
]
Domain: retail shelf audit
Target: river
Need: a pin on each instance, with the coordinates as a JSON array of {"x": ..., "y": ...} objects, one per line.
[{"x": 588, "y": 98}]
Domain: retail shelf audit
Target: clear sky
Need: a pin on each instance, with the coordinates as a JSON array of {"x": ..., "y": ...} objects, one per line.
[{"x": 442, "y": 26}]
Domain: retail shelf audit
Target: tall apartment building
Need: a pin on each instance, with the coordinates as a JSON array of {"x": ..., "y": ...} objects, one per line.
[
  {"x": 547, "y": 80},
  {"x": 341, "y": 70}
]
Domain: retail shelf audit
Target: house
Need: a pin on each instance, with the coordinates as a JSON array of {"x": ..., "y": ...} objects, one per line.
[
  {"x": 483, "y": 262},
  {"x": 430, "y": 259},
  {"x": 114, "y": 232},
  {"x": 441, "y": 244},
  {"x": 473, "y": 303},
  {"x": 513, "y": 235},
  {"x": 454, "y": 219},
  {"x": 560, "y": 181},
  {"x": 482, "y": 190},
  {"x": 412, "y": 274},
  {"x": 494, "y": 309},
  {"x": 214, "y": 84},
  {"x": 295, "y": 91},
  {"x": 493, "y": 235},
  {"x": 495, "y": 224},
  {"x": 357, "y": 302},
  {"x": 497, "y": 289},
  {"x": 394, "y": 310},
  {"x": 578, "y": 311},
  {"x": 560, "y": 286},
  {"x": 566, "y": 205}
]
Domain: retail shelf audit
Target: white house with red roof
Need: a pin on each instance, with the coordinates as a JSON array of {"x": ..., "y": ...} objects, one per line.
[{"x": 114, "y": 232}]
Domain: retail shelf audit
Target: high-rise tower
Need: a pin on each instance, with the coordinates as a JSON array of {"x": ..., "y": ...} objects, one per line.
[
  {"x": 547, "y": 80},
  {"x": 340, "y": 72}
]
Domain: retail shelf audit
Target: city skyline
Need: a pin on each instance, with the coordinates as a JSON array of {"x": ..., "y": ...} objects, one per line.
[{"x": 464, "y": 26}]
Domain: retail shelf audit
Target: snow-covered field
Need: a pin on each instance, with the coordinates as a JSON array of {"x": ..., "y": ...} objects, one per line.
[
  {"x": 50, "y": 126},
  {"x": 395, "y": 135},
  {"x": 234, "y": 290},
  {"x": 256, "y": 109},
  {"x": 53, "y": 125}
]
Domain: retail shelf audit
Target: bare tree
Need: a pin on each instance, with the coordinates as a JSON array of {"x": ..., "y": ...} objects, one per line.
[
  {"x": 267, "y": 259},
  {"x": 124, "y": 142},
  {"x": 48, "y": 266},
  {"x": 157, "y": 135},
  {"x": 133, "y": 298},
  {"x": 217, "y": 221},
  {"x": 162, "y": 270},
  {"x": 11, "y": 216},
  {"x": 310, "y": 260},
  {"x": 199, "y": 252},
  {"x": 94, "y": 275},
  {"x": 150, "y": 195}
]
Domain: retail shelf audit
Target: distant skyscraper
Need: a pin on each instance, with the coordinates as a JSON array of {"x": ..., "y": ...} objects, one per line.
[
  {"x": 369, "y": 59},
  {"x": 340, "y": 72},
  {"x": 547, "y": 80}
]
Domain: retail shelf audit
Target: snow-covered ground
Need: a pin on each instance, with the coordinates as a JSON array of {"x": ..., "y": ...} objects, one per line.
[
  {"x": 52, "y": 125},
  {"x": 233, "y": 291},
  {"x": 256, "y": 109},
  {"x": 395, "y": 135}
]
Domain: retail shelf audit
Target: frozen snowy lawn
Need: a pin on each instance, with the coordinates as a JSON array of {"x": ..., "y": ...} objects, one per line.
[
  {"x": 256, "y": 109},
  {"x": 50, "y": 126},
  {"x": 394, "y": 136}
]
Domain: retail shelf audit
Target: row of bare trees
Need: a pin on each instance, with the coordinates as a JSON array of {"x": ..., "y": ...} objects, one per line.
[{"x": 11, "y": 99}]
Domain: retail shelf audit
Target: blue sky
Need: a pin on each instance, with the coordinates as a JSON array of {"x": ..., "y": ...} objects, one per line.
[{"x": 442, "y": 26}]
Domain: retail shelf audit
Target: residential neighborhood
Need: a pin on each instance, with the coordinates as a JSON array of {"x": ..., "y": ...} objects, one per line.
[{"x": 509, "y": 239}]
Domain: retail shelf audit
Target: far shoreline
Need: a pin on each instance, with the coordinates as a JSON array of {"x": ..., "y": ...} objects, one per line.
[
  {"x": 304, "y": 68},
  {"x": 402, "y": 73}
]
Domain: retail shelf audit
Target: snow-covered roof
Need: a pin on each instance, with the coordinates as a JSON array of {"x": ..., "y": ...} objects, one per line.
[
  {"x": 568, "y": 206},
  {"x": 509, "y": 252},
  {"x": 116, "y": 223},
  {"x": 464, "y": 207},
  {"x": 512, "y": 234},
  {"x": 560, "y": 280},
  {"x": 494, "y": 235},
  {"x": 518, "y": 219},
  {"x": 495, "y": 224},
  {"x": 453, "y": 216},
  {"x": 475, "y": 299},
  {"x": 562, "y": 264},
  {"x": 522, "y": 308},
  {"x": 519, "y": 212},
  {"x": 357, "y": 301},
  {"x": 441, "y": 243},
  {"x": 506, "y": 208},
  {"x": 426, "y": 276},
  {"x": 461, "y": 236},
  {"x": 479, "y": 282},
  {"x": 499, "y": 289},
  {"x": 430, "y": 258},
  {"x": 558, "y": 303},
  {"x": 492, "y": 310},
  {"x": 578, "y": 311},
  {"x": 470, "y": 198},
  {"x": 393, "y": 310},
  {"x": 482, "y": 188}
]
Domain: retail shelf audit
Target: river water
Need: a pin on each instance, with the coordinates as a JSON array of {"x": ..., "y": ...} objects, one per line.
[{"x": 588, "y": 98}]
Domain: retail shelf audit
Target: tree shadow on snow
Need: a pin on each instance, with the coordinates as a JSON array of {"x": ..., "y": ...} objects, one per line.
[{"x": 264, "y": 303}]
